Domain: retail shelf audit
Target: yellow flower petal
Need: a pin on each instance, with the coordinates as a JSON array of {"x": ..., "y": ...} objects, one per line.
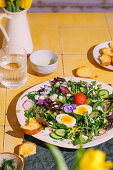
[
  {"x": 108, "y": 165},
  {"x": 94, "y": 160},
  {"x": 2, "y": 3},
  {"x": 26, "y": 4}
]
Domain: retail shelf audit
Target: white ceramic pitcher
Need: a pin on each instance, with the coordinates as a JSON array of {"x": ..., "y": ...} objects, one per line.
[{"x": 17, "y": 30}]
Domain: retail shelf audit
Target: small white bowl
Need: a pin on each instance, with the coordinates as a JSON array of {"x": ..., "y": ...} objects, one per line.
[
  {"x": 18, "y": 160},
  {"x": 44, "y": 62}
]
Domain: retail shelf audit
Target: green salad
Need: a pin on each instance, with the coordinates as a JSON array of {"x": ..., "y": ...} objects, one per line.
[{"x": 74, "y": 110}]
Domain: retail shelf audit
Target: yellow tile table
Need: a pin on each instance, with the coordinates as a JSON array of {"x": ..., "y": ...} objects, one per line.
[{"x": 72, "y": 36}]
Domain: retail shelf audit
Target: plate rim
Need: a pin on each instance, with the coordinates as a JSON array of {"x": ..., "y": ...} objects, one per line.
[
  {"x": 87, "y": 145},
  {"x": 96, "y": 59}
]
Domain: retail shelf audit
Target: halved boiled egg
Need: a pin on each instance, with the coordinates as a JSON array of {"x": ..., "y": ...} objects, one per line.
[
  {"x": 82, "y": 109},
  {"x": 65, "y": 119}
]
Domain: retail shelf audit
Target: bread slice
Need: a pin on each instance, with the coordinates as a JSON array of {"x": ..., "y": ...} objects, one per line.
[
  {"x": 105, "y": 60},
  {"x": 26, "y": 149},
  {"x": 107, "y": 51},
  {"x": 111, "y": 45},
  {"x": 83, "y": 72},
  {"x": 32, "y": 127}
]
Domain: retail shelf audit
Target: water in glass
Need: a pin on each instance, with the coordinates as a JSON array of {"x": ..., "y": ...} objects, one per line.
[{"x": 13, "y": 70}]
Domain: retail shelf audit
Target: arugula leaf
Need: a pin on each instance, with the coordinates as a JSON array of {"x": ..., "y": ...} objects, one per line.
[
  {"x": 31, "y": 96},
  {"x": 76, "y": 141}
]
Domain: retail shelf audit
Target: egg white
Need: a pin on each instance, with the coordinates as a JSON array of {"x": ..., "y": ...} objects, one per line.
[
  {"x": 58, "y": 118},
  {"x": 88, "y": 107}
]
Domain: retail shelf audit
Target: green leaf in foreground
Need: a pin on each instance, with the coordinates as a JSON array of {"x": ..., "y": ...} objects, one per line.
[
  {"x": 78, "y": 157},
  {"x": 60, "y": 162}
]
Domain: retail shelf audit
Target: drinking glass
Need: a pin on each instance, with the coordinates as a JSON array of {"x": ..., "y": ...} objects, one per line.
[{"x": 13, "y": 66}]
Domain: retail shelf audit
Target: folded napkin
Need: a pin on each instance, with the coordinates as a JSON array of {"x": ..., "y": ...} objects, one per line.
[{"x": 43, "y": 159}]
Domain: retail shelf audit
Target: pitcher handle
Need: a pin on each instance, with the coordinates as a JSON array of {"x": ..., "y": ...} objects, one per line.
[{"x": 2, "y": 28}]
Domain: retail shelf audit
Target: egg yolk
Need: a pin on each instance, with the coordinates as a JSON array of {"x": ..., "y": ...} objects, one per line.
[
  {"x": 67, "y": 119},
  {"x": 81, "y": 110}
]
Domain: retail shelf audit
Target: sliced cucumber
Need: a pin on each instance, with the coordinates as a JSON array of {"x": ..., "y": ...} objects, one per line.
[
  {"x": 54, "y": 136},
  {"x": 60, "y": 132},
  {"x": 103, "y": 93}
]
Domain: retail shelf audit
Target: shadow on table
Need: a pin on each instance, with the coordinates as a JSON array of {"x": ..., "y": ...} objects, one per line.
[
  {"x": 74, "y": 72},
  {"x": 92, "y": 60},
  {"x": 2, "y": 86},
  {"x": 29, "y": 69},
  {"x": 13, "y": 121},
  {"x": 1, "y": 39}
]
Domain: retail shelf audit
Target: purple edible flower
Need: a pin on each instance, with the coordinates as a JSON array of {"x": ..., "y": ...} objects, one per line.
[
  {"x": 69, "y": 108},
  {"x": 40, "y": 101},
  {"x": 46, "y": 90},
  {"x": 110, "y": 98}
]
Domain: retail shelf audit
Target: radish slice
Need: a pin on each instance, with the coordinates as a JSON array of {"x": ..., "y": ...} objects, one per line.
[
  {"x": 48, "y": 129},
  {"x": 105, "y": 106},
  {"x": 102, "y": 132},
  {"x": 28, "y": 104}
]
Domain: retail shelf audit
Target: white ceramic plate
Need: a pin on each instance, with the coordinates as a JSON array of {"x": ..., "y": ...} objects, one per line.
[
  {"x": 97, "y": 53},
  {"x": 44, "y": 134}
]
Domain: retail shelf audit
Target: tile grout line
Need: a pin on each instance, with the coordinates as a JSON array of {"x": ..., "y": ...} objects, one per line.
[
  {"x": 61, "y": 42},
  {"x": 74, "y": 54},
  {"x": 108, "y": 26},
  {"x": 67, "y": 27},
  {"x": 78, "y": 27},
  {"x": 4, "y": 121},
  {"x": 3, "y": 137}
]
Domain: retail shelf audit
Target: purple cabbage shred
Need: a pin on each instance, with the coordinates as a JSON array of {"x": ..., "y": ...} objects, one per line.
[
  {"x": 58, "y": 79},
  {"x": 64, "y": 90}
]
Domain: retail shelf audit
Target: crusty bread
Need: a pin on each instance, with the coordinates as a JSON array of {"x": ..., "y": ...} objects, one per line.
[
  {"x": 107, "y": 51},
  {"x": 26, "y": 149},
  {"x": 105, "y": 60},
  {"x": 83, "y": 72},
  {"x": 32, "y": 127},
  {"x": 111, "y": 45}
]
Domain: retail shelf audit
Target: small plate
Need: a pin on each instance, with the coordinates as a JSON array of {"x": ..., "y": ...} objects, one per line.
[
  {"x": 18, "y": 160},
  {"x": 97, "y": 53}
]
